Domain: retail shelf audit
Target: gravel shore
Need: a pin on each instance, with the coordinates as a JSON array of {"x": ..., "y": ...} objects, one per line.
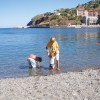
[{"x": 83, "y": 85}]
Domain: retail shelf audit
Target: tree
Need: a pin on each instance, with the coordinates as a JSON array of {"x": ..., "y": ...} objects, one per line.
[
  {"x": 97, "y": 1},
  {"x": 53, "y": 17},
  {"x": 95, "y": 5},
  {"x": 48, "y": 14},
  {"x": 78, "y": 5}
]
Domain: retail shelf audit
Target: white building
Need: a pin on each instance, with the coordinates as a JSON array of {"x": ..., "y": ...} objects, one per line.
[
  {"x": 90, "y": 20},
  {"x": 89, "y": 16}
]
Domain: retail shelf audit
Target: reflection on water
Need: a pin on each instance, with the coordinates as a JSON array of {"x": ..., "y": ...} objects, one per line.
[
  {"x": 32, "y": 72},
  {"x": 78, "y": 49},
  {"x": 79, "y": 36},
  {"x": 39, "y": 72}
]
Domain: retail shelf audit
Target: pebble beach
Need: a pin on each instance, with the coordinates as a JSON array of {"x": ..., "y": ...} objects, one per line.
[{"x": 83, "y": 85}]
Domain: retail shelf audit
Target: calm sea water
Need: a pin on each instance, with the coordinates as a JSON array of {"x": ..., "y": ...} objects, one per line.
[{"x": 78, "y": 49}]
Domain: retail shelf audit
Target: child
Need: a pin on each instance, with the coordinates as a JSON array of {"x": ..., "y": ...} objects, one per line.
[
  {"x": 98, "y": 43},
  {"x": 53, "y": 52},
  {"x": 32, "y": 59}
]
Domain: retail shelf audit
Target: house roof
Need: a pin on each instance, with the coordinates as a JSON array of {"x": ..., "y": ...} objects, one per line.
[{"x": 80, "y": 8}]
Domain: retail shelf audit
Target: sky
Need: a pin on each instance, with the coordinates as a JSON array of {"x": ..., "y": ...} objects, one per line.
[{"x": 19, "y": 12}]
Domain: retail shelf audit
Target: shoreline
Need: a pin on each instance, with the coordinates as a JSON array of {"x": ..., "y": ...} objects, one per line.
[
  {"x": 64, "y": 26},
  {"x": 83, "y": 85},
  {"x": 31, "y": 72}
]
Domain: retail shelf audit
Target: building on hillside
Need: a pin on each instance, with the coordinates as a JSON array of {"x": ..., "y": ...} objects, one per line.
[
  {"x": 90, "y": 16},
  {"x": 80, "y": 11},
  {"x": 57, "y": 13},
  {"x": 98, "y": 10},
  {"x": 90, "y": 20}
]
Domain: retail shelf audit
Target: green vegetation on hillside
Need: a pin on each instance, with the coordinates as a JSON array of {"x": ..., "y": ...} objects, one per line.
[
  {"x": 92, "y": 4},
  {"x": 62, "y": 17}
]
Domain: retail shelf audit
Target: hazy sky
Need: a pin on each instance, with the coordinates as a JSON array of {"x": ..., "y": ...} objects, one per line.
[{"x": 19, "y": 12}]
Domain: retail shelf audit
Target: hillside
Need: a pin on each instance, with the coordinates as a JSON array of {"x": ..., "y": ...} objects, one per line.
[{"x": 61, "y": 17}]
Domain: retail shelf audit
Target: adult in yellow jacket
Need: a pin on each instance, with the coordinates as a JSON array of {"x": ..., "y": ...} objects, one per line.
[{"x": 53, "y": 52}]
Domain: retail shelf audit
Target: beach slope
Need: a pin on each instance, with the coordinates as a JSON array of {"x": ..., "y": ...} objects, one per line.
[{"x": 83, "y": 85}]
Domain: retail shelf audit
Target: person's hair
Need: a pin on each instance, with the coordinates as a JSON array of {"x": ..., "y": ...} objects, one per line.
[
  {"x": 53, "y": 37},
  {"x": 39, "y": 59}
]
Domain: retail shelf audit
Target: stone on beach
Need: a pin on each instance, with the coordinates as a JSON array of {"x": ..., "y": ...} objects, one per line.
[{"x": 83, "y": 85}]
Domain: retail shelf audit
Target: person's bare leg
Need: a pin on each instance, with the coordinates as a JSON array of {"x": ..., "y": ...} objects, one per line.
[{"x": 57, "y": 65}]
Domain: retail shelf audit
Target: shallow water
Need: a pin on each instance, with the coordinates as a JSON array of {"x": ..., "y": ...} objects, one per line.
[{"x": 78, "y": 49}]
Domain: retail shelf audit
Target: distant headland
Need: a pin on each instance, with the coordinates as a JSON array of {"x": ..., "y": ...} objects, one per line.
[{"x": 87, "y": 14}]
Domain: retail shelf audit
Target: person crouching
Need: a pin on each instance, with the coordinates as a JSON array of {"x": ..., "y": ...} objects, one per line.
[{"x": 34, "y": 61}]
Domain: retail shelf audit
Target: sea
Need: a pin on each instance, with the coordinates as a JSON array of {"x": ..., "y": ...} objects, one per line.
[{"x": 78, "y": 50}]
